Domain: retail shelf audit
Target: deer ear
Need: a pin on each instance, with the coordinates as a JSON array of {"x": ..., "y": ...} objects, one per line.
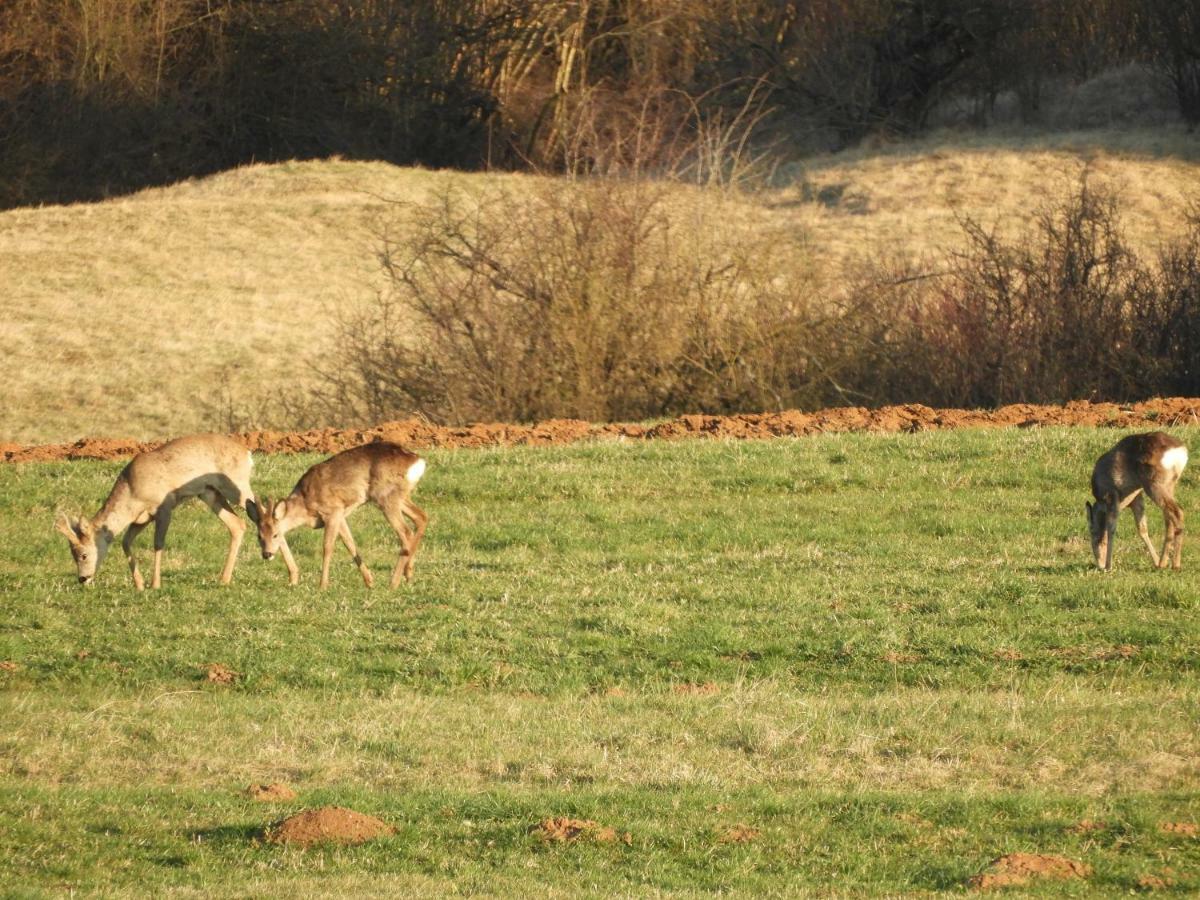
[
  {"x": 63, "y": 524},
  {"x": 85, "y": 528},
  {"x": 280, "y": 509}
]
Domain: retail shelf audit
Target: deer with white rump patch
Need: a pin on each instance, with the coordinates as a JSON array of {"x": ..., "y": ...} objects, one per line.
[
  {"x": 383, "y": 473},
  {"x": 212, "y": 467},
  {"x": 1140, "y": 465}
]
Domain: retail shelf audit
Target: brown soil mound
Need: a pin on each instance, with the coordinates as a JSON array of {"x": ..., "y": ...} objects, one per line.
[
  {"x": 698, "y": 689},
  {"x": 738, "y": 834},
  {"x": 327, "y": 825},
  {"x": 1021, "y": 868},
  {"x": 219, "y": 674},
  {"x": 1156, "y": 882},
  {"x": 789, "y": 423},
  {"x": 897, "y": 658},
  {"x": 560, "y": 829},
  {"x": 1191, "y": 829},
  {"x": 271, "y": 793}
]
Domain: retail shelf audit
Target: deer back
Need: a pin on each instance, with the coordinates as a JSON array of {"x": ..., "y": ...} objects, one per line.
[
  {"x": 185, "y": 467},
  {"x": 355, "y": 476},
  {"x": 1136, "y": 461}
]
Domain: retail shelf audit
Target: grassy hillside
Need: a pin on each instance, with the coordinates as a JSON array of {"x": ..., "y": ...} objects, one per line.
[
  {"x": 148, "y": 315},
  {"x": 860, "y": 665}
]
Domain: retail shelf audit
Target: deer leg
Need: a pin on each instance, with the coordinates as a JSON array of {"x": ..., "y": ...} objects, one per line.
[
  {"x": 393, "y": 512},
  {"x": 162, "y": 521},
  {"x": 290, "y": 561},
  {"x": 333, "y": 525},
  {"x": 1172, "y": 510},
  {"x": 420, "y": 519},
  {"x": 348, "y": 540},
  {"x": 237, "y": 529},
  {"x": 1110, "y": 529},
  {"x": 1138, "y": 507},
  {"x": 1177, "y": 561},
  {"x": 1173, "y": 518},
  {"x": 131, "y": 534}
]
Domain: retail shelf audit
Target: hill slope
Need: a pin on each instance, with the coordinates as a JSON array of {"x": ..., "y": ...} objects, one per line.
[{"x": 160, "y": 312}]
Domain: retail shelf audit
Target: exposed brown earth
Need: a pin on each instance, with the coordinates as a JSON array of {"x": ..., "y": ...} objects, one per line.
[
  {"x": 699, "y": 689},
  {"x": 1190, "y": 829},
  {"x": 1021, "y": 868},
  {"x": 738, "y": 834},
  {"x": 327, "y": 825},
  {"x": 790, "y": 423},
  {"x": 219, "y": 674},
  {"x": 561, "y": 829},
  {"x": 1162, "y": 882},
  {"x": 275, "y": 792}
]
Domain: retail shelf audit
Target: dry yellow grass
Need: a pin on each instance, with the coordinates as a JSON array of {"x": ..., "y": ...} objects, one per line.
[
  {"x": 906, "y": 199},
  {"x": 134, "y": 316}
]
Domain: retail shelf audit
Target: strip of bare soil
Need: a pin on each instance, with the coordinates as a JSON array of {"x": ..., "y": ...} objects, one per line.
[{"x": 416, "y": 434}]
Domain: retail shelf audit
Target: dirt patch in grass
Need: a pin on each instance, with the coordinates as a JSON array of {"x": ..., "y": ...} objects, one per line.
[
  {"x": 738, "y": 834},
  {"x": 1022, "y": 868},
  {"x": 327, "y": 825},
  {"x": 898, "y": 658},
  {"x": 1007, "y": 654},
  {"x": 561, "y": 829},
  {"x": 706, "y": 689},
  {"x": 1162, "y": 882},
  {"x": 276, "y": 792},
  {"x": 219, "y": 674},
  {"x": 413, "y": 433},
  {"x": 1188, "y": 829}
]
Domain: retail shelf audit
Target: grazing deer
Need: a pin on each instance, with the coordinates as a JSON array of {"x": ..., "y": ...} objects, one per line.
[
  {"x": 1140, "y": 464},
  {"x": 213, "y": 467},
  {"x": 382, "y": 473}
]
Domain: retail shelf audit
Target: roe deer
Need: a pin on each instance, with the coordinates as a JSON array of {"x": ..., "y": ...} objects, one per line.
[
  {"x": 383, "y": 473},
  {"x": 213, "y": 467},
  {"x": 1140, "y": 464}
]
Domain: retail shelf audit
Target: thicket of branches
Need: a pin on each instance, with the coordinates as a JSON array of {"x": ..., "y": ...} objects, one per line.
[
  {"x": 597, "y": 299},
  {"x": 105, "y": 95}
]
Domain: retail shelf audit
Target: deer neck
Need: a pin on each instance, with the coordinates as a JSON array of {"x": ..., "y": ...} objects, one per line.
[
  {"x": 296, "y": 513},
  {"x": 118, "y": 513}
]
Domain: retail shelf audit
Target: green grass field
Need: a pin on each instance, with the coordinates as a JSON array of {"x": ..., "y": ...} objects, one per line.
[{"x": 886, "y": 655}]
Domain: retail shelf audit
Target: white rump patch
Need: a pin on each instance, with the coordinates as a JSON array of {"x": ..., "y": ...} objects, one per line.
[
  {"x": 415, "y": 471},
  {"x": 1175, "y": 459}
]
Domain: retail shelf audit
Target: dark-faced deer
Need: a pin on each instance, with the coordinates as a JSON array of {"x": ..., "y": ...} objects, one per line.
[
  {"x": 382, "y": 473},
  {"x": 213, "y": 467},
  {"x": 1140, "y": 465}
]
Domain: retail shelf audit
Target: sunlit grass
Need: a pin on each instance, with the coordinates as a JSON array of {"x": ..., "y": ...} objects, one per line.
[{"x": 888, "y": 656}]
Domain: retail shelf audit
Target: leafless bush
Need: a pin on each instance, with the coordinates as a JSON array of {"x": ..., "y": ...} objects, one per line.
[
  {"x": 607, "y": 300},
  {"x": 1066, "y": 312},
  {"x": 594, "y": 298}
]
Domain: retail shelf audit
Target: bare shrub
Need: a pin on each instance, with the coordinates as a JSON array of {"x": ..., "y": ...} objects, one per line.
[
  {"x": 1066, "y": 312},
  {"x": 597, "y": 298},
  {"x": 607, "y": 299}
]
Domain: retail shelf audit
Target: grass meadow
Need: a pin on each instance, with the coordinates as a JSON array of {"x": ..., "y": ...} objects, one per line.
[
  {"x": 199, "y": 305},
  {"x": 879, "y": 661}
]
